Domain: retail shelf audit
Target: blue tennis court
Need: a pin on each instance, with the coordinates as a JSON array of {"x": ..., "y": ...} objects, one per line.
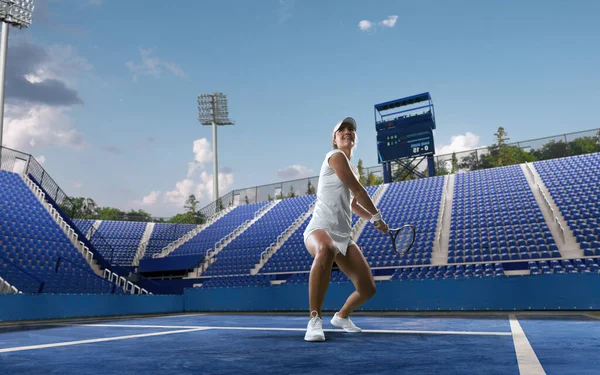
[{"x": 269, "y": 343}]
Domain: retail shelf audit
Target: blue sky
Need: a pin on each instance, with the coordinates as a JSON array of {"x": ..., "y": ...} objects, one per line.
[{"x": 291, "y": 70}]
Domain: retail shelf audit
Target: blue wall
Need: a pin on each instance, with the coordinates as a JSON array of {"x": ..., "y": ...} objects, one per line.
[
  {"x": 543, "y": 292},
  {"x": 54, "y": 306}
]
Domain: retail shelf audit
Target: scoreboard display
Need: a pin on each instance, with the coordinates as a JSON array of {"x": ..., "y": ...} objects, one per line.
[
  {"x": 396, "y": 142},
  {"x": 405, "y": 132}
]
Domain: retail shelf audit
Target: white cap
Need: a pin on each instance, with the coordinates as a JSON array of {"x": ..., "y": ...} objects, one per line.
[{"x": 349, "y": 120}]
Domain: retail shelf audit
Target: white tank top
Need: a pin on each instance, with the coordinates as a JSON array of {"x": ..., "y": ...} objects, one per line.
[{"x": 333, "y": 210}]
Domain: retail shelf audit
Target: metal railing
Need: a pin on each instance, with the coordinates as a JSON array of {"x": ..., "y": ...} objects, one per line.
[
  {"x": 465, "y": 160},
  {"x": 29, "y": 283},
  {"x": 554, "y": 216},
  {"x": 281, "y": 238},
  {"x": 441, "y": 218}
]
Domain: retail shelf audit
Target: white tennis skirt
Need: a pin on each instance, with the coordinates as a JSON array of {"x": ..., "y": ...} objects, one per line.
[{"x": 342, "y": 242}]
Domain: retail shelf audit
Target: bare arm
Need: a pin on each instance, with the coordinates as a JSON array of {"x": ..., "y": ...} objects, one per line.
[
  {"x": 360, "y": 211},
  {"x": 339, "y": 163}
]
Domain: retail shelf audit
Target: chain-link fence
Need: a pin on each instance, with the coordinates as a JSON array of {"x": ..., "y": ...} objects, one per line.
[
  {"x": 537, "y": 149},
  {"x": 559, "y": 146},
  {"x": 22, "y": 163}
]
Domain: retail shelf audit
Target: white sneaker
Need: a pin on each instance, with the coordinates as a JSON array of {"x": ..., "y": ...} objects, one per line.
[
  {"x": 314, "y": 329},
  {"x": 346, "y": 324}
]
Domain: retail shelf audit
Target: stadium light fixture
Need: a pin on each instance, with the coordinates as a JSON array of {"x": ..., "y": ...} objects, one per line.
[
  {"x": 17, "y": 13},
  {"x": 212, "y": 110}
]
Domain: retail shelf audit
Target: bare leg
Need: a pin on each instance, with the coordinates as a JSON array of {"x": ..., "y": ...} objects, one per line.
[
  {"x": 355, "y": 266},
  {"x": 321, "y": 247}
]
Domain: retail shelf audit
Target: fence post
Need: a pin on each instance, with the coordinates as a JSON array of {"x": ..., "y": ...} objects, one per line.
[{"x": 27, "y": 166}]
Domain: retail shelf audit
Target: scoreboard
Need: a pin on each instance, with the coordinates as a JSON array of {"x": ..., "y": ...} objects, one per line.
[
  {"x": 409, "y": 135},
  {"x": 394, "y": 142}
]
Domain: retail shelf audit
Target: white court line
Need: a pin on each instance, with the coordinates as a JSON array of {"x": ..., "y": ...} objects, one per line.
[
  {"x": 79, "y": 342},
  {"x": 400, "y": 331},
  {"x": 591, "y": 316},
  {"x": 526, "y": 358}
]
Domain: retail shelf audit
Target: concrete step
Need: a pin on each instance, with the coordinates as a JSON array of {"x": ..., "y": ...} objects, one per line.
[
  {"x": 141, "y": 250},
  {"x": 563, "y": 236},
  {"x": 440, "y": 255},
  {"x": 223, "y": 242},
  {"x": 282, "y": 238},
  {"x": 191, "y": 234}
]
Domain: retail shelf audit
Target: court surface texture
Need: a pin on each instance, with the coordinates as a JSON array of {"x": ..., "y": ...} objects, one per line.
[{"x": 428, "y": 343}]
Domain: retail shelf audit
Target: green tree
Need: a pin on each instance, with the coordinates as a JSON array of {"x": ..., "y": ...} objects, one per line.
[
  {"x": 583, "y": 145},
  {"x": 194, "y": 216},
  {"x": 139, "y": 215},
  {"x": 361, "y": 172},
  {"x": 79, "y": 207},
  {"x": 440, "y": 167},
  {"x": 109, "y": 213},
  {"x": 373, "y": 179},
  {"x": 403, "y": 172},
  {"x": 470, "y": 162},
  {"x": 552, "y": 150},
  {"x": 454, "y": 163},
  {"x": 246, "y": 200},
  {"x": 498, "y": 151},
  {"x": 291, "y": 194},
  {"x": 310, "y": 189},
  {"x": 184, "y": 218}
]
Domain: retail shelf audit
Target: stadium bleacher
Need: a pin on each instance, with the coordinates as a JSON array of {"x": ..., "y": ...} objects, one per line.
[
  {"x": 415, "y": 202},
  {"x": 207, "y": 238},
  {"x": 163, "y": 234},
  {"x": 574, "y": 184},
  {"x": 292, "y": 255},
  {"x": 496, "y": 217},
  {"x": 243, "y": 253},
  {"x": 120, "y": 240},
  {"x": 35, "y": 250}
]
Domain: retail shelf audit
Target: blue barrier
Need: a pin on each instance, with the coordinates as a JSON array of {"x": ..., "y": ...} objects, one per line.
[
  {"x": 542, "y": 292},
  {"x": 58, "y": 306},
  {"x": 172, "y": 263}
]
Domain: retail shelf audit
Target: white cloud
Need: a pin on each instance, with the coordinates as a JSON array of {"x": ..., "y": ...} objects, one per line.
[
  {"x": 41, "y": 159},
  {"x": 77, "y": 185},
  {"x": 38, "y": 106},
  {"x": 149, "y": 200},
  {"x": 459, "y": 143},
  {"x": 205, "y": 186},
  {"x": 33, "y": 127},
  {"x": 285, "y": 10},
  {"x": 153, "y": 66},
  {"x": 390, "y": 21},
  {"x": 183, "y": 189},
  {"x": 202, "y": 189},
  {"x": 200, "y": 186},
  {"x": 294, "y": 171},
  {"x": 202, "y": 151},
  {"x": 202, "y": 155},
  {"x": 365, "y": 25}
]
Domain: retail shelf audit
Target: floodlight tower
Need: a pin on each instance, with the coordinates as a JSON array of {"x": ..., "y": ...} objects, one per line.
[
  {"x": 212, "y": 110},
  {"x": 17, "y": 13}
]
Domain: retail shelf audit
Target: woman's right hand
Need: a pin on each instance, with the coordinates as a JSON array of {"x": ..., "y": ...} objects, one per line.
[{"x": 381, "y": 226}]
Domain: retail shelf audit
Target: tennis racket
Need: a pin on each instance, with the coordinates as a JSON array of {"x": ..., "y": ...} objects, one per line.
[{"x": 403, "y": 238}]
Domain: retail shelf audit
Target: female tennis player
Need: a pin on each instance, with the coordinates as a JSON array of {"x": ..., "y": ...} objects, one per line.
[{"x": 328, "y": 236}]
